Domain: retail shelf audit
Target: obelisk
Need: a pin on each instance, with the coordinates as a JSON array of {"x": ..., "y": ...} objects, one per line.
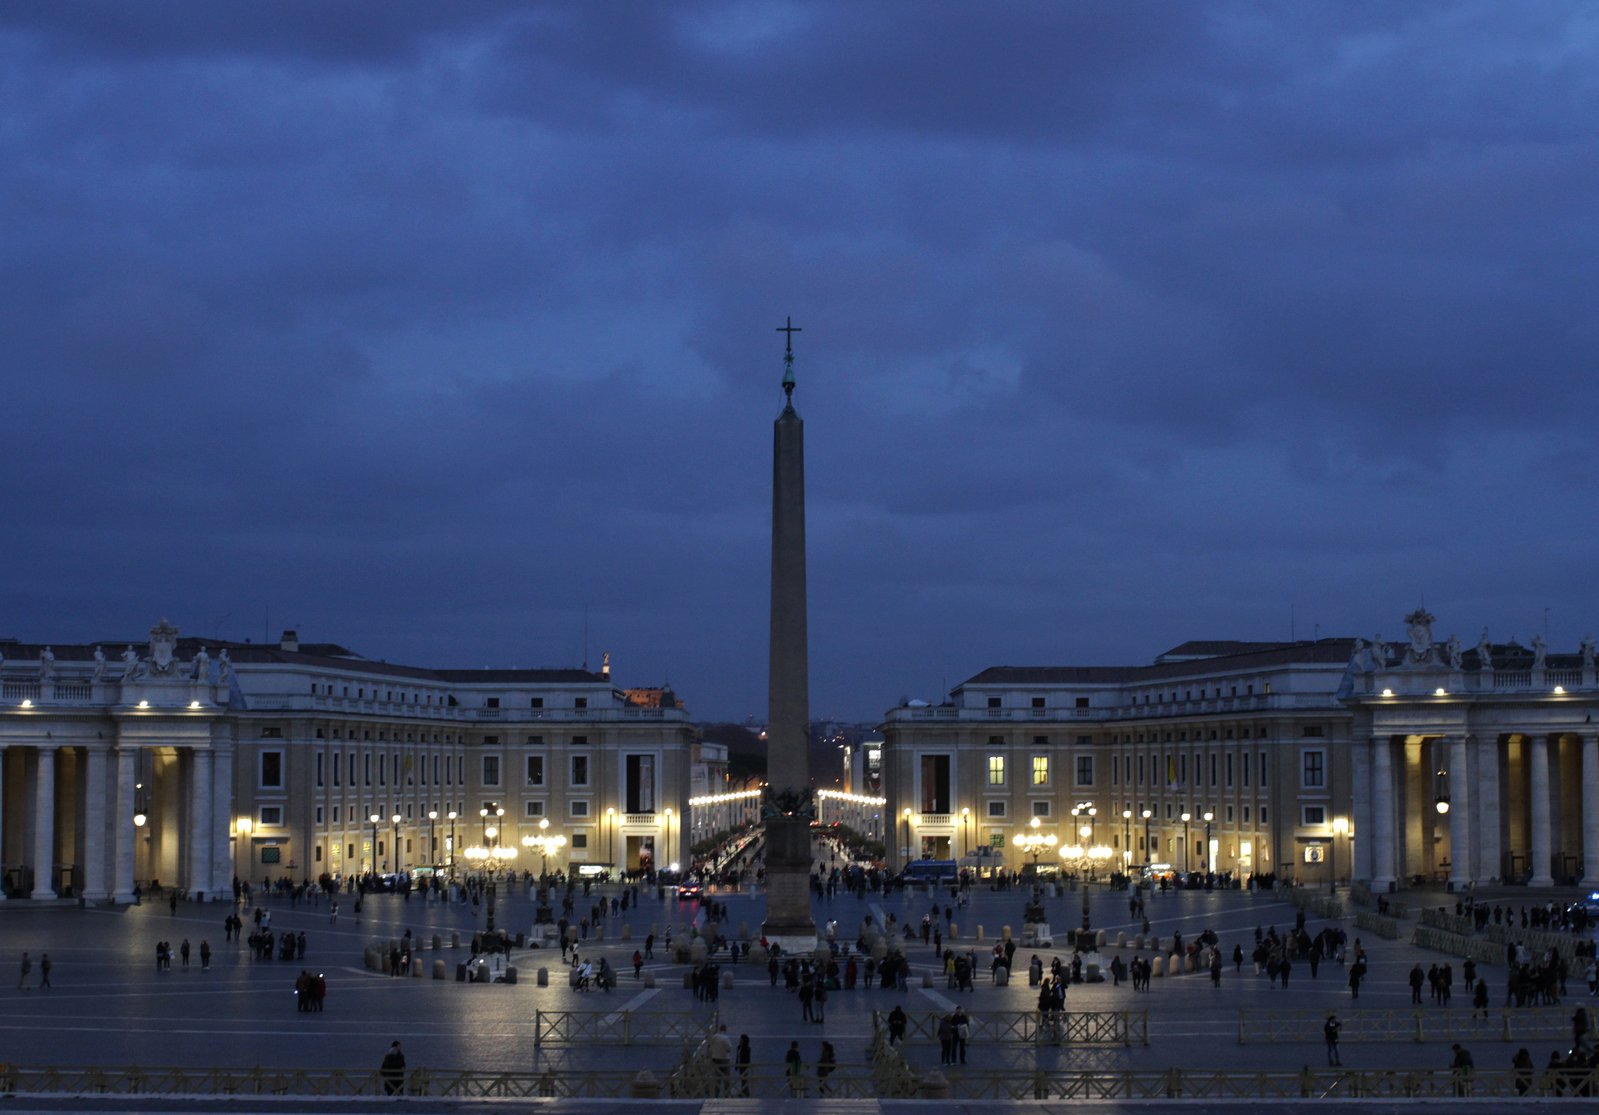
[{"x": 788, "y": 807}]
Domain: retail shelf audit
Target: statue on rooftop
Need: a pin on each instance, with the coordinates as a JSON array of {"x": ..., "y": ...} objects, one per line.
[
  {"x": 1540, "y": 649},
  {"x": 99, "y": 663},
  {"x": 1485, "y": 654},
  {"x": 1587, "y": 652},
  {"x": 1452, "y": 648},
  {"x": 47, "y": 664}
]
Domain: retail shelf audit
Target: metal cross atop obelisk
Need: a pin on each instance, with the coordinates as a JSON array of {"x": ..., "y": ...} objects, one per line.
[{"x": 788, "y": 809}]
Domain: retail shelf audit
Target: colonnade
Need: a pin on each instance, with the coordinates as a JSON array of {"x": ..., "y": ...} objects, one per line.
[
  {"x": 111, "y": 814},
  {"x": 1472, "y": 809}
]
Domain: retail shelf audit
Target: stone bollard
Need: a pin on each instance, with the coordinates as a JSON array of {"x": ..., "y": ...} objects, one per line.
[
  {"x": 727, "y": 979},
  {"x": 927, "y": 979},
  {"x": 627, "y": 931},
  {"x": 1157, "y": 965},
  {"x": 649, "y": 981},
  {"x": 510, "y": 973},
  {"x": 439, "y": 969},
  {"x": 455, "y": 940},
  {"x": 1004, "y": 933},
  {"x": 437, "y": 943},
  {"x": 979, "y": 932},
  {"x": 1121, "y": 940},
  {"x": 598, "y": 932},
  {"x": 1099, "y": 939},
  {"x": 1001, "y": 976},
  {"x": 1138, "y": 941},
  {"x": 542, "y": 978},
  {"x": 934, "y": 1086},
  {"x": 416, "y": 967},
  {"x": 644, "y": 1086},
  {"x": 954, "y": 930}
]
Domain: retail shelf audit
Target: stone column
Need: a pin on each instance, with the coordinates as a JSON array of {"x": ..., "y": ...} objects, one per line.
[
  {"x": 124, "y": 836},
  {"x": 44, "y": 825},
  {"x": 1360, "y": 812},
  {"x": 1538, "y": 766},
  {"x": 222, "y": 855},
  {"x": 1590, "y": 810},
  {"x": 96, "y": 823},
  {"x": 1485, "y": 802},
  {"x": 1460, "y": 814},
  {"x": 199, "y": 837},
  {"x": 2, "y": 819},
  {"x": 1382, "y": 808}
]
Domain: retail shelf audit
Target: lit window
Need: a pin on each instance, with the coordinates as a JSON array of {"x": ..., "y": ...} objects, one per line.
[
  {"x": 996, "y": 770},
  {"x": 1040, "y": 770}
]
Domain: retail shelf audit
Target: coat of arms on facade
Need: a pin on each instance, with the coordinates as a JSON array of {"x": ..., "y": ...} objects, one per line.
[
  {"x": 1419, "y": 626},
  {"x": 163, "y": 641}
]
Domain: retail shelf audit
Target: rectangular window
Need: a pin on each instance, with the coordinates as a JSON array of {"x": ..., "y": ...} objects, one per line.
[
  {"x": 993, "y": 702},
  {"x": 580, "y": 840},
  {"x": 1246, "y": 814},
  {"x": 1229, "y": 769},
  {"x": 321, "y": 762},
  {"x": 935, "y": 770},
  {"x": 580, "y": 808},
  {"x": 580, "y": 770},
  {"x": 1213, "y": 768},
  {"x": 1314, "y": 815},
  {"x": 1085, "y": 770},
  {"x": 638, "y": 790},
  {"x": 1040, "y": 770},
  {"x": 491, "y": 770},
  {"x": 534, "y": 809},
  {"x": 580, "y": 702},
  {"x": 383, "y": 769},
  {"x": 1313, "y": 770},
  {"x": 272, "y": 815},
  {"x": 996, "y": 839},
  {"x": 1041, "y": 808},
  {"x": 271, "y": 769},
  {"x": 996, "y": 809},
  {"x": 535, "y": 770},
  {"x": 366, "y": 765},
  {"x": 996, "y": 770},
  {"x": 338, "y": 768},
  {"x": 336, "y": 812},
  {"x": 535, "y": 702},
  {"x": 491, "y": 702},
  {"x": 1263, "y": 816},
  {"x": 319, "y": 814}
]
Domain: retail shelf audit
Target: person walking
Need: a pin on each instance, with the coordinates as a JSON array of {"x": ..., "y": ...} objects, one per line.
[
  {"x": 44, "y": 970},
  {"x": 393, "y": 1070},
  {"x": 205, "y": 956},
  {"x": 896, "y": 1025},
  {"x": 826, "y": 1062},
  {"x": 794, "y": 1070},
  {"x": 742, "y": 1059},
  {"x": 1461, "y": 1069},
  {"x": 720, "y": 1048},
  {"x": 27, "y": 970},
  {"x": 1329, "y": 1032}
]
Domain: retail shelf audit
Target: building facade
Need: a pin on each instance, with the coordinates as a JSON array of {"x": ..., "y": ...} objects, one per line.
[
  {"x": 1314, "y": 761},
  {"x": 189, "y": 762}
]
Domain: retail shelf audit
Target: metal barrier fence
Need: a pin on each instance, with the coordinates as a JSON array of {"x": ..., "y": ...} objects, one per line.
[
  {"x": 1315, "y": 902},
  {"x": 1442, "y": 940},
  {"x": 1493, "y": 939},
  {"x": 770, "y": 1081},
  {"x": 1106, "y": 1027},
  {"x": 1386, "y": 927},
  {"x": 1257, "y": 1027},
  {"x": 619, "y": 1027}
]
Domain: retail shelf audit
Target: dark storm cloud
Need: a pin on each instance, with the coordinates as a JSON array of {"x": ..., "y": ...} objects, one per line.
[{"x": 435, "y": 329}]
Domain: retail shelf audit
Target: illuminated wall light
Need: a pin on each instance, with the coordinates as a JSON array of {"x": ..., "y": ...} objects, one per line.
[
  {"x": 1387, "y": 692},
  {"x": 26, "y": 703},
  {"x": 1439, "y": 692},
  {"x": 144, "y": 704},
  {"x": 1560, "y": 691},
  {"x": 194, "y": 704}
]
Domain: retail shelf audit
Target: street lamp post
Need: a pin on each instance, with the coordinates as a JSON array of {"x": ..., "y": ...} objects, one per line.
[
  {"x": 1149, "y": 857},
  {"x": 452, "y": 816},
  {"x": 610, "y": 835},
  {"x": 1210, "y": 866},
  {"x": 544, "y": 843},
  {"x": 906, "y": 813},
  {"x": 396, "y": 820},
  {"x": 1340, "y": 827},
  {"x": 433, "y": 848},
  {"x": 1034, "y": 842},
  {"x": 672, "y": 858},
  {"x": 374, "y": 818},
  {"x": 244, "y": 825},
  {"x": 966, "y": 835},
  {"x": 1127, "y": 840},
  {"x": 1187, "y": 816}
]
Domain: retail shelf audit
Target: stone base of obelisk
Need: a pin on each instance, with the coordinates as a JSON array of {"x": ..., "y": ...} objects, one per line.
[{"x": 788, "y": 884}]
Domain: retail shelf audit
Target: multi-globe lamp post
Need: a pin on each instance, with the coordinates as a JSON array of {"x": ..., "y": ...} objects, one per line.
[
  {"x": 374, "y": 818},
  {"x": 433, "y": 847},
  {"x": 1032, "y": 842},
  {"x": 396, "y": 820},
  {"x": 492, "y": 855},
  {"x": 543, "y": 843}
]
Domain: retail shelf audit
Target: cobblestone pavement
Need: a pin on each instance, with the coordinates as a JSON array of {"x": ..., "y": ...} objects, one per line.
[{"x": 110, "y": 1006}]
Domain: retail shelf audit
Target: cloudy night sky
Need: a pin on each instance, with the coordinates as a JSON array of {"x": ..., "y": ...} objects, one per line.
[{"x": 443, "y": 331}]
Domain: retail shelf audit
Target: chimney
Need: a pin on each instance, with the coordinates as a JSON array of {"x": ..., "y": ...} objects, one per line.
[{"x": 290, "y": 641}]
